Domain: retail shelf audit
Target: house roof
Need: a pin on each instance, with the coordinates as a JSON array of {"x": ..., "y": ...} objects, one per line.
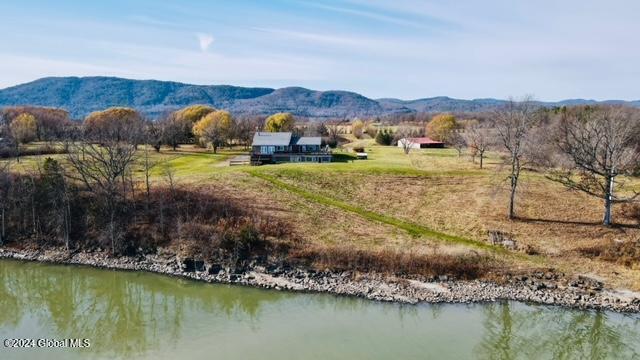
[
  {"x": 425, "y": 140},
  {"x": 307, "y": 140},
  {"x": 283, "y": 139},
  {"x": 271, "y": 138}
]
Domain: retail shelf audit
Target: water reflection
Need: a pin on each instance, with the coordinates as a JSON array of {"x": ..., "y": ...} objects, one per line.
[
  {"x": 135, "y": 311},
  {"x": 517, "y": 331},
  {"x": 139, "y": 315}
]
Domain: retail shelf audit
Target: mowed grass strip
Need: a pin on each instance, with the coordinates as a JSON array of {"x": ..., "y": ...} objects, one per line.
[{"x": 411, "y": 228}]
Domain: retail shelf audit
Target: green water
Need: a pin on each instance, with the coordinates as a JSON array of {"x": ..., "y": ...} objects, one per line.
[{"x": 139, "y": 315}]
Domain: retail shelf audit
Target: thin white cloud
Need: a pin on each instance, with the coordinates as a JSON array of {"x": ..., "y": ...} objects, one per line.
[
  {"x": 369, "y": 14},
  {"x": 205, "y": 41},
  {"x": 315, "y": 37}
]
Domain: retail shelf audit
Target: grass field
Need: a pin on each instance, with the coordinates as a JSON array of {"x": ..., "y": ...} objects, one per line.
[{"x": 429, "y": 201}]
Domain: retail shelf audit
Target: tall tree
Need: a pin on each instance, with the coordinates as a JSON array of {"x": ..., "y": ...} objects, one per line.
[
  {"x": 153, "y": 134},
  {"x": 598, "y": 144},
  {"x": 115, "y": 124},
  {"x": 458, "y": 141},
  {"x": 441, "y": 127},
  {"x": 215, "y": 128},
  {"x": 23, "y": 130},
  {"x": 194, "y": 113},
  {"x": 102, "y": 169},
  {"x": 333, "y": 128},
  {"x": 279, "y": 122},
  {"x": 245, "y": 127},
  {"x": 514, "y": 123},
  {"x": 175, "y": 131},
  {"x": 55, "y": 199},
  {"x": 479, "y": 139}
]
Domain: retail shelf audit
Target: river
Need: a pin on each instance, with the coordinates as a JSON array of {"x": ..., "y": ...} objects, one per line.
[{"x": 141, "y": 315}]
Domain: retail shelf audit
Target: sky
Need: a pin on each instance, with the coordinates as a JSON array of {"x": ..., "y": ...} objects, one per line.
[{"x": 406, "y": 49}]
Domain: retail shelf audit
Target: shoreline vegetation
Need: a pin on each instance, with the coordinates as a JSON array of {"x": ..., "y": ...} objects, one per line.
[{"x": 542, "y": 288}]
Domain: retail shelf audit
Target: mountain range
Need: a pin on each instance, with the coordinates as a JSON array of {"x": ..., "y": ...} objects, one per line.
[{"x": 82, "y": 95}]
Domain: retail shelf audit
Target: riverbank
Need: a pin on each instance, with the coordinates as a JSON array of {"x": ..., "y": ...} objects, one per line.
[{"x": 547, "y": 288}]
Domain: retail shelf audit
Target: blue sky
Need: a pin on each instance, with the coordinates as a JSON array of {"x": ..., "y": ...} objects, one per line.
[{"x": 402, "y": 48}]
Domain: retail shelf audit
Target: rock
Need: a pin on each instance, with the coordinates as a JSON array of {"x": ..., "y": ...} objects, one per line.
[
  {"x": 542, "y": 287},
  {"x": 214, "y": 269}
]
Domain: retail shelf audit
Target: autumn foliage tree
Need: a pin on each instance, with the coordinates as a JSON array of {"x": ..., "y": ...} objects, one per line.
[
  {"x": 279, "y": 122},
  {"x": 194, "y": 113},
  {"x": 214, "y": 129},
  {"x": 177, "y": 127},
  {"x": 442, "y": 127},
  {"x": 23, "y": 130},
  {"x": 114, "y": 124},
  {"x": 51, "y": 123}
]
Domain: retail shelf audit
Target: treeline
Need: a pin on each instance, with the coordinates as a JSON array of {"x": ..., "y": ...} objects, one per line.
[
  {"x": 92, "y": 199},
  {"x": 49, "y": 208}
]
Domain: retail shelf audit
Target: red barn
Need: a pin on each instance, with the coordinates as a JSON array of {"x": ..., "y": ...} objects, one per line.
[{"x": 421, "y": 143}]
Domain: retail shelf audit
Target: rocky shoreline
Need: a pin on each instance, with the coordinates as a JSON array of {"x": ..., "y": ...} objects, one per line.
[{"x": 541, "y": 288}]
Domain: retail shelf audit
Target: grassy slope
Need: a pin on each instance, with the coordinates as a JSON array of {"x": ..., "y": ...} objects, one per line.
[
  {"x": 428, "y": 199},
  {"x": 411, "y": 228}
]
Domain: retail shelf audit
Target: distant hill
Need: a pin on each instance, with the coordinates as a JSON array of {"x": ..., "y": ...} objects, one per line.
[
  {"x": 443, "y": 103},
  {"x": 82, "y": 95}
]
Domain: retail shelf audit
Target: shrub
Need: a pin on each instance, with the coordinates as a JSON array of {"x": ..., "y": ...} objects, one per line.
[
  {"x": 394, "y": 262},
  {"x": 357, "y": 128},
  {"x": 625, "y": 253}
]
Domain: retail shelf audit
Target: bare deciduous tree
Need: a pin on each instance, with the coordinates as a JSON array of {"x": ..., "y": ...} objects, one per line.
[
  {"x": 334, "y": 129},
  {"x": 55, "y": 193},
  {"x": 175, "y": 130},
  {"x": 404, "y": 136},
  {"x": 102, "y": 168},
  {"x": 479, "y": 139},
  {"x": 598, "y": 144},
  {"x": 153, "y": 134},
  {"x": 458, "y": 141},
  {"x": 514, "y": 123},
  {"x": 148, "y": 166},
  {"x": 244, "y": 129}
]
